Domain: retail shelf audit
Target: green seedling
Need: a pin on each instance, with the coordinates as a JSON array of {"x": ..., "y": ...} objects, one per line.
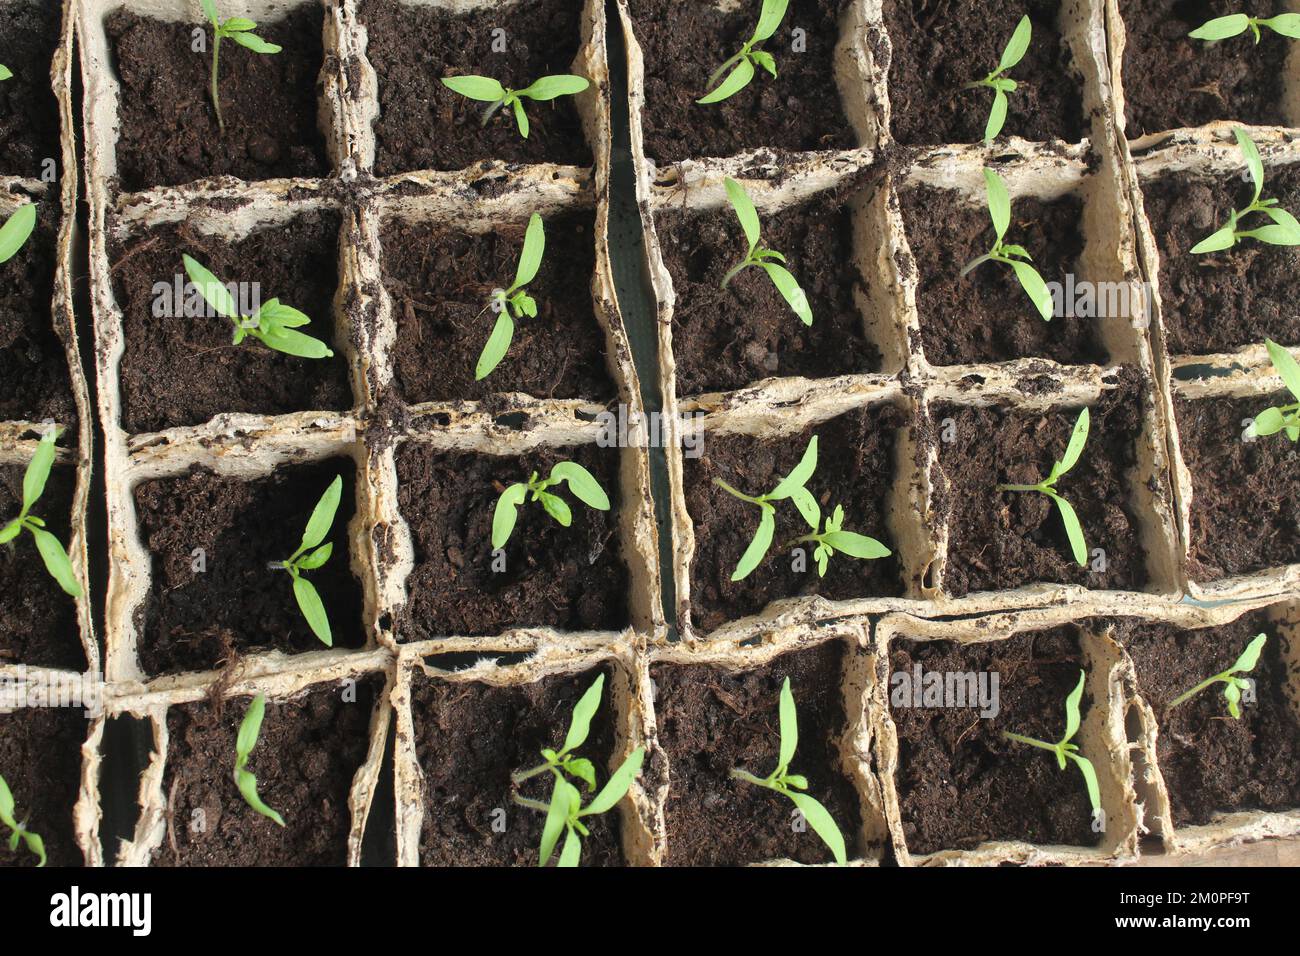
[
  {"x": 769, "y": 260},
  {"x": 1224, "y": 28},
  {"x": 792, "y": 486},
  {"x": 1017, "y": 257},
  {"x": 792, "y": 785},
  {"x": 244, "y": 744},
  {"x": 1002, "y": 85},
  {"x": 749, "y": 57},
  {"x": 1281, "y": 418},
  {"x": 311, "y": 554},
  {"x": 834, "y": 539},
  {"x": 487, "y": 90},
  {"x": 18, "y": 831},
  {"x": 1066, "y": 751},
  {"x": 275, "y": 325},
  {"x": 16, "y": 231},
  {"x": 51, "y": 551},
  {"x": 581, "y": 482},
  {"x": 5, "y": 73},
  {"x": 240, "y": 30},
  {"x": 1233, "y": 685},
  {"x": 514, "y": 299},
  {"x": 1283, "y": 230},
  {"x": 1078, "y": 438}
]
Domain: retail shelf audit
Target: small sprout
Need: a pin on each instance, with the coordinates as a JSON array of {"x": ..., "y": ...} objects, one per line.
[
  {"x": 769, "y": 18},
  {"x": 1065, "y": 750},
  {"x": 240, "y": 30},
  {"x": 792, "y": 785},
  {"x": 1284, "y": 230},
  {"x": 51, "y": 551},
  {"x": 1233, "y": 686},
  {"x": 1223, "y": 28},
  {"x": 244, "y": 744},
  {"x": 16, "y": 231},
  {"x": 1017, "y": 257},
  {"x": 766, "y": 259},
  {"x": 1283, "y": 417},
  {"x": 582, "y": 484},
  {"x": 487, "y": 90},
  {"x": 833, "y": 539},
  {"x": 5, "y": 73},
  {"x": 792, "y": 486},
  {"x": 1078, "y": 438},
  {"x": 18, "y": 831},
  {"x": 515, "y": 298},
  {"x": 311, "y": 554},
  {"x": 1002, "y": 85},
  {"x": 274, "y": 324}
]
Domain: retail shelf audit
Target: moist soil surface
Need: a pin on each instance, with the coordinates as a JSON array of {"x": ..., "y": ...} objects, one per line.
[
  {"x": 855, "y": 468},
  {"x": 1172, "y": 81},
  {"x": 1222, "y": 301},
  {"x": 960, "y": 782},
  {"x": 469, "y": 739},
  {"x": 986, "y": 316},
  {"x": 29, "y": 113},
  {"x": 441, "y": 282},
  {"x": 38, "y": 622},
  {"x": 169, "y": 129},
  {"x": 1243, "y": 514},
  {"x": 413, "y": 48},
  {"x": 307, "y": 753},
  {"x": 1002, "y": 540},
  {"x": 684, "y": 43},
  {"x": 940, "y": 47},
  {"x": 712, "y": 720},
  {"x": 40, "y": 751},
  {"x": 1210, "y": 762},
  {"x": 570, "y": 578},
  {"x": 182, "y": 371},
  {"x": 197, "y": 620},
  {"x": 725, "y": 339}
]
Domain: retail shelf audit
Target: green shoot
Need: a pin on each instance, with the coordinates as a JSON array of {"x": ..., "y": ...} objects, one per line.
[
  {"x": 1017, "y": 257},
  {"x": 1078, "y": 438},
  {"x": 1223, "y": 28},
  {"x": 1233, "y": 686},
  {"x": 16, "y": 230},
  {"x": 1002, "y": 85},
  {"x": 1283, "y": 417},
  {"x": 311, "y": 554},
  {"x": 240, "y": 30},
  {"x": 792, "y": 785},
  {"x": 5, "y": 73},
  {"x": 487, "y": 90},
  {"x": 769, "y": 18},
  {"x": 1065, "y": 750},
  {"x": 244, "y": 744},
  {"x": 274, "y": 324},
  {"x": 581, "y": 482},
  {"x": 515, "y": 298},
  {"x": 833, "y": 539},
  {"x": 792, "y": 486},
  {"x": 768, "y": 260},
  {"x": 18, "y": 831},
  {"x": 1284, "y": 230},
  {"x": 51, "y": 551}
]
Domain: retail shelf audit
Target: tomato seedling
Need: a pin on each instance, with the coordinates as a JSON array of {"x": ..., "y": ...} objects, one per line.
[
  {"x": 749, "y": 57},
  {"x": 1001, "y": 85},
  {"x": 1282, "y": 230},
  {"x": 1233, "y": 685},
  {"x": 487, "y": 90},
  {"x": 792, "y": 486},
  {"x": 769, "y": 260},
  {"x": 311, "y": 554},
  {"x": 1235, "y": 24},
  {"x": 249, "y": 728},
  {"x": 1078, "y": 438},
  {"x": 1281, "y": 418},
  {"x": 833, "y": 538},
  {"x": 18, "y": 831},
  {"x": 1067, "y": 751},
  {"x": 581, "y": 482},
  {"x": 515, "y": 299},
  {"x": 1017, "y": 257},
  {"x": 240, "y": 30},
  {"x": 51, "y": 551}
]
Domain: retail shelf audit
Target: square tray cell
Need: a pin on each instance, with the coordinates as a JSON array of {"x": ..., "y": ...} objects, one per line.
[
  {"x": 40, "y": 760},
  {"x": 29, "y": 113},
  {"x": 207, "y": 607}
]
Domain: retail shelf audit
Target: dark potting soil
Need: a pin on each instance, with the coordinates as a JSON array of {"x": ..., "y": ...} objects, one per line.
[
  {"x": 1210, "y": 762},
  {"x": 570, "y": 578},
  {"x": 855, "y": 468},
  {"x": 939, "y": 48},
  {"x": 713, "y": 720},
  {"x": 169, "y": 130},
  {"x": 182, "y": 371},
  {"x": 441, "y": 283},
  {"x": 1222, "y": 301},
  {"x": 1244, "y": 493},
  {"x": 725, "y": 339},
  {"x": 201, "y": 619},
  {"x": 1171, "y": 80},
  {"x": 960, "y": 782},
  {"x": 412, "y": 48},
  {"x": 40, "y": 760},
  {"x": 684, "y": 43},
  {"x": 1001, "y": 540},
  {"x": 38, "y": 622},
  {"x": 307, "y": 753},
  {"x": 469, "y": 739},
  {"x": 986, "y": 316},
  {"x": 29, "y": 113}
]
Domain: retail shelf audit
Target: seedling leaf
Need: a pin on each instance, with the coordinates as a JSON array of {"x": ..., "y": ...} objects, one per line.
[
  {"x": 211, "y": 288},
  {"x": 999, "y": 201},
  {"x": 799, "y": 475},
  {"x": 790, "y": 290},
  {"x": 1217, "y": 241},
  {"x": 556, "y": 816},
  {"x": 1017, "y": 46},
  {"x": 1253, "y": 162},
  {"x": 530, "y": 259},
  {"x": 757, "y": 547},
  {"x": 313, "y": 609},
  {"x": 245, "y": 741},
  {"x": 618, "y": 784},
  {"x": 557, "y": 508},
  {"x": 549, "y": 87},
  {"x": 745, "y": 211},
  {"x": 521, "y": 118},
  {"x": 582, "y": 483},
  {"x": 856, "y": 545},
  {"x": 1286, "y": 24},
  {"x": 1072, "y": 708},
  {"x": 769, "y": 19},
  {"x": 583, "y": 711},
  {"x": 823, "y": 824},
  {"x": 1221, "y": 28},
  {"x": 1285, "y": 365},
  {"x": 1073, "y": 529},
  {"x": 789, "y": 725},
  {"x": 1250, "y": 656},
  {"x": 56, "y": 561},
  {"x": 38, "y": 469},
  {"x": 498, "y": 344},
  {"x": 1089, "y": 779},
  {"x": 16, "y": 230},
  {"x": 997, "y": 116},
  {"x": 254, "y": 42},
  {"x": 737, "y": 80},
  {"x": 322, "y": 516},
  {"x": 1035, "y": 287},
  {"x": 506, "y": 514},
  {"x": 482, "y": 88}
]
